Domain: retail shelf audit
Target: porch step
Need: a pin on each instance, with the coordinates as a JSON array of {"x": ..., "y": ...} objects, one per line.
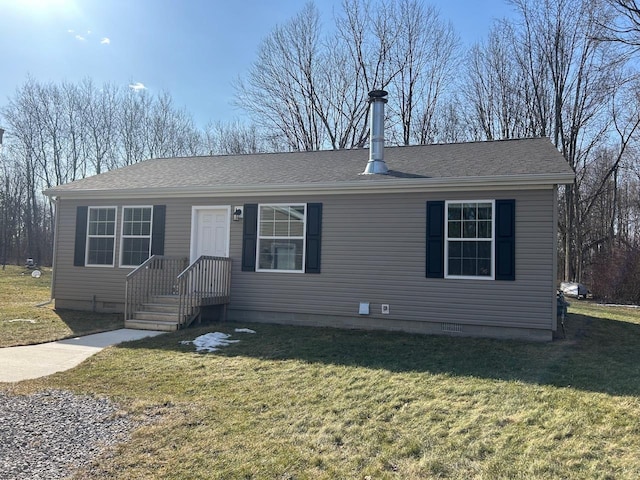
[
  {"x": 151, "y": 325},
  {"x": 163, "y": 316},
  {"x": 166, "y": 299},
  {"x": 160, "y": 307},
  {"x": 160, "y": 313}
]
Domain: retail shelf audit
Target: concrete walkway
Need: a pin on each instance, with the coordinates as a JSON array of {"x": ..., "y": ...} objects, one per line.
[{"x": 34, "y": 361}]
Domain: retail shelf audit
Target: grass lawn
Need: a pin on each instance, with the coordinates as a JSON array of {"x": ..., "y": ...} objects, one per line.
[
  {"x": 302, "y": 403},
  {"x": 22, "y": 322}
]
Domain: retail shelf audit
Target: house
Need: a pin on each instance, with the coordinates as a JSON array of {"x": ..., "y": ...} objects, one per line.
[{"x": 452, "y": 238}]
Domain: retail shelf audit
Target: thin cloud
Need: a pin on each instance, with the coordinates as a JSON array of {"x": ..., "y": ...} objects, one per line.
[
  {"x": 105, "y": 41},
  {"x": 137, "y": 86},
  {"x": 80, "y": 38},
  {"x": 71, "y": 30}
]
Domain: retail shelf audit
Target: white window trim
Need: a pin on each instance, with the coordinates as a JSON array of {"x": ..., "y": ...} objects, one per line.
[
  {"x": 114, "y": 236},
  {"x": 303, "y": 237},
  {"x": 122, "y": 235},
  {"x": 446, "y": 241}
]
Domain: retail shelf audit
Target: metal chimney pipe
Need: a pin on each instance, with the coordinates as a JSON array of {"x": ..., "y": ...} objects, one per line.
[{"x": 376, "y": 163}]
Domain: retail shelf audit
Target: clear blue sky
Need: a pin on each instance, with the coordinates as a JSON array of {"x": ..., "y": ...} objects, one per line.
[{"x": 193, "y": 49}]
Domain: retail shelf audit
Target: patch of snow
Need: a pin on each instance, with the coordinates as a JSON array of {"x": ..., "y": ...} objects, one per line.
[
  {"x": 27, "y": 320},
  {"x": 244, "y": 330},
  {"x": 617, "y": 305},
  {"x": 210, "y": 342}
]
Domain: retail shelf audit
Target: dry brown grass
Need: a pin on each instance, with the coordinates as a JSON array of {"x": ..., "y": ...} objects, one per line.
[
  {"x": 303, "y": 403},
  {"x": 23, "y": 322}
]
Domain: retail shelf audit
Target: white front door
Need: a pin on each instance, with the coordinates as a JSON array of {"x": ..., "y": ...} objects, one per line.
[{"x": 210, "y": 232}]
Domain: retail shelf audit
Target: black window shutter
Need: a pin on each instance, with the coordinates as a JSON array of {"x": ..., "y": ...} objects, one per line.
[
  {"x": 157, "y": 235},
  {"x": 435, "y": 239},
  {"x": 314, "y": 235},
  {"x": 80, "y": 247},
  {"x": 505, "y": 240},
  {"x": 249, "y": 237}
]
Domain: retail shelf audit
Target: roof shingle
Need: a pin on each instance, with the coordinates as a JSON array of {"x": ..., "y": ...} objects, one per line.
[{"x": 522, "y": 157}]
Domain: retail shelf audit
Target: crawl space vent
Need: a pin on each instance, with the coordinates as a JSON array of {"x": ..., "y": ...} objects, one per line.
[{"x": 451, "y": 327}]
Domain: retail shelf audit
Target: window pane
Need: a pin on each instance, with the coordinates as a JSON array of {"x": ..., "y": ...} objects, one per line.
[
  {"x": 469, "y": 229},
  {"x": 455, "y": 249},
  {"x": 484, "y": 250},
  {"x": 455, "y": 211},
  {"x": 276, "y": 254},
  {"x": 281, "y": 229},
  {"x": 484, "y": 211},
  {"x": 469, "y": 267},
  {"x": 455, "y": 266},
  {"x": 266, "y": 228},
  {"x": 296, "y": 229},
  {"x": 266, "y": 213},
  {"x": 101, "y": 224},
  {"x": 470, "y": 257},
  {"x": 136, "y": 235},
  {"x": 455, "y": 229},
  {"x": 281, "y": 213},
  {"x": 484, "y": 229},
  {"x": 469, "y": 249},
  {"x": 135, "y": 251},
  {"x": 281, "y": 252},
  {"x": 484, "y": 267},
  {"x": 469, "y": 211},
  {"x": 100, "y": 251}
]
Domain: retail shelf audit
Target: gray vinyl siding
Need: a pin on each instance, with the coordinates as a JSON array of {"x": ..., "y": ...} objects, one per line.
[
  {"x": 373, "y": 250},
  {"x": 106, "y": 283}
]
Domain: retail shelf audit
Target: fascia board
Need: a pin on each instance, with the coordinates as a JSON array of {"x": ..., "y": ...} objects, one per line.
[{"x": 380, "y": 186}]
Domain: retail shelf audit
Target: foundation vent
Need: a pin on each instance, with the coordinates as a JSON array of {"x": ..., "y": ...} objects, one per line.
[{"x": 451, "y": 327}]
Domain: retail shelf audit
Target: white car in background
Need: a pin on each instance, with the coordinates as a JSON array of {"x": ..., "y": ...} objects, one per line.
[{"x": 574, "y": 289}]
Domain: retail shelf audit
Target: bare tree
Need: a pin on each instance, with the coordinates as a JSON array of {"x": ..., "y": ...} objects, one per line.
[
  {"x": 233, "y": 138},
  {"x": 495, "y": 83},
  {"x": 311, "y": 87},
  {"x": 624, "y": 27},
  {"x": 73, "y": 109},
  {"x": 424, "y": 56},
  {"x": 58, "y": 133},
  {"x": 279, "y": 92},
  {"x": 134, "y": 108},
  {"x": 580, "y": 74}
]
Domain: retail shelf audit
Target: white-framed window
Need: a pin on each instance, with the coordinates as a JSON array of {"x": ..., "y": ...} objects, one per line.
[
  {"x": 281, "y": 237},
  {"x": 469, "y": 239},
  {"x": 135, "y": 241},
  {"x": 101, "y": 236}
]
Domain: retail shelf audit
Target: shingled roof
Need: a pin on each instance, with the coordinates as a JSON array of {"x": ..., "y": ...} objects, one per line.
[{"x": 522, "y": 161}]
